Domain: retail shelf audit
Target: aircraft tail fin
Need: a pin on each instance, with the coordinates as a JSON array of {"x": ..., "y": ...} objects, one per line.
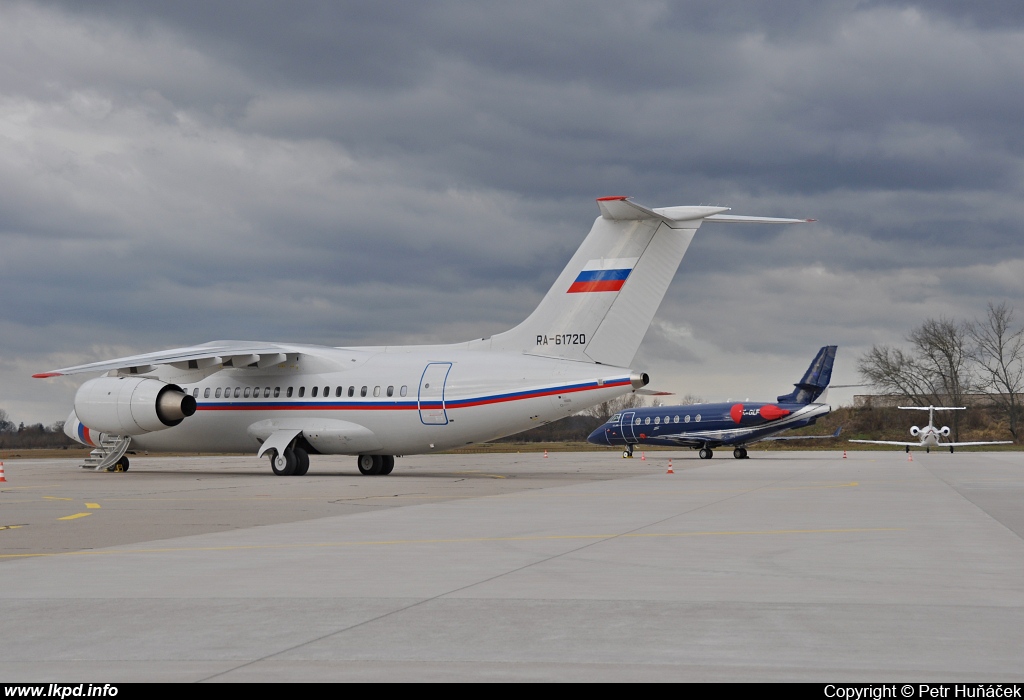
[{"x": 814, "y": 383}]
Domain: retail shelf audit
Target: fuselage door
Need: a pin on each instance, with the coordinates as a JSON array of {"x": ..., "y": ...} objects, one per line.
[
  {"x": 431, "y": 395},
  {"x": 626, "y": 426}
]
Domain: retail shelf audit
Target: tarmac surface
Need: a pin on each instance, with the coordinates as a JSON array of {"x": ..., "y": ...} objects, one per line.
[{"x": 788, "y": 566}]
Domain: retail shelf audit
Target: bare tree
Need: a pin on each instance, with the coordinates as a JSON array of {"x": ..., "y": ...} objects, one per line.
[
  {"x": 6, "y": 426},
  {"x": 937, "y": 372},
  {"x": 999, "y": 354},
  {"x": 613, "y": 406}
]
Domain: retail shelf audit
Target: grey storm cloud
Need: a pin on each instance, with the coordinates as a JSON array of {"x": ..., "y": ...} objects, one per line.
[{"x": 362, "y": 172}]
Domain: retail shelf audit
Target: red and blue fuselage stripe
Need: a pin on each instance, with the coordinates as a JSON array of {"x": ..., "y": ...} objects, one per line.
[
  {"x": 600, "y": 280},
  {"x": 403, "y": 405}
]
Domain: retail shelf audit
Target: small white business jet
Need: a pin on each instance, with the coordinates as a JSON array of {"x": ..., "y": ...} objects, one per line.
[
  {"x": 930, "y": 436},
  {"x": 290, "y": 401}
]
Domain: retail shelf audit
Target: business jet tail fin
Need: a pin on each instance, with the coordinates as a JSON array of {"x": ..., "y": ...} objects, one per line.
[{"x": 814, "y": 383}]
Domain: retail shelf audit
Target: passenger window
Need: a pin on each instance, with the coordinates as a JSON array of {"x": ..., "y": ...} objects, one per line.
[
  {"x": 687, "y": 418},
  {"x": 302, "y": 391},
  {"x": 391, "y": 391},
  {"x": 647, "y": 420},
  {"x": 675, "y": 419},
  {"x": 206, "y": 393},
  {"x": 327, "y": 391},
  {"x": 697, "y": 418},
  {"x": 636, "y": 422},
  {"x": 351, "y": 391},
  {"x": 218, "y": 392},
  {"x": 315, "y": 389},
  {"x": 376, "y": 391},
  {"x": 266, "y": 392},
  {"x": 248, "y": 390},
  {"x": 657, "y": 420},
  {"x": 666, "y": 419},
  {"x": 238, "y": 391},
  {"x": 195, "y": 393},
  {"x": 362, "y": 392},
  {"x": 289, "y": 393},
  {"x": 404, "y": 390},
  {"x": 337, "y": 392}
]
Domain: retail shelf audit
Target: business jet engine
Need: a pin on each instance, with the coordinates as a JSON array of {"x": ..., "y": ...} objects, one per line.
[
  {"x": 945, "y": 431},
  {"x": 914, "y": 431},
  {"x": 131, "y": 405}
]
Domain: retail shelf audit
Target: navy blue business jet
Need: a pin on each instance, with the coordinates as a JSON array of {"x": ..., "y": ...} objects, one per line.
[{"x": 705, "y": 426}]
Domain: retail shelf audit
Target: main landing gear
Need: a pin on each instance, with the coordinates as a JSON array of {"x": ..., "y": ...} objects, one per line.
[
  {"x": 294, "y": 461},
  {"x": 740, "y": 453},
  {"x": 706, "y": 453},
  {"x": 375, "y": 465},
  {"x": 120, "y": 465}
]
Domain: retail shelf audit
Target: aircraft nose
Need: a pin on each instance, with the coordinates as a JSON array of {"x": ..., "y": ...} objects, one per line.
[{"x": 599, "y": 437}]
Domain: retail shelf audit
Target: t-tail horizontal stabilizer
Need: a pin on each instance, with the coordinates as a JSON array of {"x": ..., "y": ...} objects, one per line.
[{"x": 815, "y": 380}]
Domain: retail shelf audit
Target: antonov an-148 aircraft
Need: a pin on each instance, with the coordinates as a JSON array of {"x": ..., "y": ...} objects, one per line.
[{"x": 289, "y": 401}]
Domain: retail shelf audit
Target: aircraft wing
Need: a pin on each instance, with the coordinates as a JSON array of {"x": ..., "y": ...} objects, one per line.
[
  {"x": 231, "y": 353},
  {"x": 968, "y": 444},
  {"x": 804, "y": 437},
  {"x": 890, "y": 442}
]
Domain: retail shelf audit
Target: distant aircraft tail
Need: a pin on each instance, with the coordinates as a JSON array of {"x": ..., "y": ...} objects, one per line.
[
  {"x": 602, "y": 304},
  {"x": 815, "y": 381}
]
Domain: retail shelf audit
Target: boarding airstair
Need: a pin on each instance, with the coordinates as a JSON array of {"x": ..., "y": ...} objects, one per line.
[{"x": 110, "y": 450}]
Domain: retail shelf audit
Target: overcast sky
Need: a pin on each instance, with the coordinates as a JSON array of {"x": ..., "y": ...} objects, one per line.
[{"x": 354, "y": 173}]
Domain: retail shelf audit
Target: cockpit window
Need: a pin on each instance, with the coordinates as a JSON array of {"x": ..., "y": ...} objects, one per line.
[{"x": 614, "y": 419}]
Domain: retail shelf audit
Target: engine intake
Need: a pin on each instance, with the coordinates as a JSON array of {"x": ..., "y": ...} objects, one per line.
[
  {"x": 915, "y": 431},
  {"x": 131, "y": 405}
]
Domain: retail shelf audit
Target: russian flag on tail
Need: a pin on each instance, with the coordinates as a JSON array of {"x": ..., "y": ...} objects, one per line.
[{"x": 605, "y": 275}]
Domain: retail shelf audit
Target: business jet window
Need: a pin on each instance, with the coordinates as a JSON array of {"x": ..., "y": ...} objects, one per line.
[
  {"x": 315, "y": 389},
  {"x": 391, "y": 391},
  {"x": 337, "y": 391},
  {"x": 206, "y": 393},
  {"x": 238, "y": 391},
  {"x": 636, "y": 422},
  {"x": 697, "y": 418},
  {"x": 351, "y": 391},
  {"x": 302, "y": 391},
  {"x": 675, "y": 419},
  {"x": 376, "y": 391},
  {"x": 687, "y": 418},
  {"x": 289, "y": 393},
  {"x": 404, "y": 390},
  {"x": 657, "y": 420},
  {"x": 362, "y": 391},
  {"x": 666, "y": 419},
  {"x": 248, "y": 390}
]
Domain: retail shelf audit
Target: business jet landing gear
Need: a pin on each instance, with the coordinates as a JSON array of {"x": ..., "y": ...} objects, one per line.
[
  {"x": 740, "y": 453},
  {"x": 705, "y": 453},
  {"x": 628, "y": 452}
]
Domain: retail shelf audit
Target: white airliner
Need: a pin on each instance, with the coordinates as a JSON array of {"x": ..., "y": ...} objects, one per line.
[
  {"x": 930, "y": 436},
  {"x": 289, "y": 401}
]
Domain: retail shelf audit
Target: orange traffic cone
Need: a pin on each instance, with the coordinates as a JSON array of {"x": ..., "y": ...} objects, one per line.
[
  {"x": 670, "y": 468},
  {"x": 910, "y": 456},
  {"x": 2, "y": 478},
  {"x": 844, "y": 454},
  {"x": 643, "y": 456},
  {"x": 545, "y": 454}
]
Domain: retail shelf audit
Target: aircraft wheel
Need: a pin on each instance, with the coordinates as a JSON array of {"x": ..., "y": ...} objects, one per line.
[
  {"x": 301, "y": 462},
  {"x": 950, "y": 452},
  {"x": 625, "y": 454},
  {"x": 120, "y": 465},
  {"x": 908, "y": 448},
  {"x": 387, "y": 463},
  {"x": 369, "y": 465},
  {"x": 705, "y": 453},
  {"x": 927, "y": 450},
  {"x": 740, "y": 453},
  {"x": 283, "y": 464}
]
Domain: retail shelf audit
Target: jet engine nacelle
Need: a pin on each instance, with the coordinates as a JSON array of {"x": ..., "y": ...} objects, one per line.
[
  {"x": 945, "y": 431},
  {"x": 131, "y": 405},
  {"x": 914, "y": 431}
]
